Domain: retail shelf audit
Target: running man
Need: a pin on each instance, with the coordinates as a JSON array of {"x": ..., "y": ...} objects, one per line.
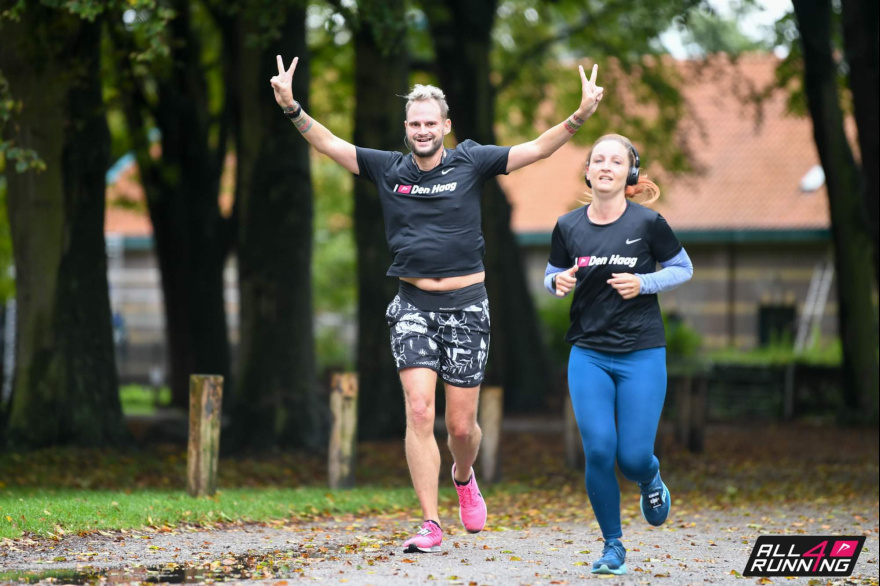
[{"x": 439, "y": 320}]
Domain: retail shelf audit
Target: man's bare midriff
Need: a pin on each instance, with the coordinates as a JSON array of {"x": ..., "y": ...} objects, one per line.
[{"x": 445, "y": 283}]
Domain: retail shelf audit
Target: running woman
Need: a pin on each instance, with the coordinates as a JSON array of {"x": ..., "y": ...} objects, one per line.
[
  {"x": 607, "y": 252},
  {"x": 439, "y": 320}
]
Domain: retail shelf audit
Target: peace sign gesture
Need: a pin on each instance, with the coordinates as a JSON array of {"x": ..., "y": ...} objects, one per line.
[
  {"x": 282, "y": 84},
  {"x": 591, "y": 94}
]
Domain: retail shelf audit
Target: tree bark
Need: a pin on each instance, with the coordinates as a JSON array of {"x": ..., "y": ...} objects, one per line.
[
  {"x": 66, "y": 389},
  {"x": 861, "y": 23},
  {"x": 850, "y": 233},
  {"x": 519, "y": 361},
  {"x": 191, "y": 237},
  {"x": 381, "y": 74},
  {"x": 276, "y": 393}
]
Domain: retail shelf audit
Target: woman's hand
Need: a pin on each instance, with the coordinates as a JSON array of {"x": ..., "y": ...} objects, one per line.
[
  {"x": 627, "y": 284},
  {"x": 565, "y": 281}
]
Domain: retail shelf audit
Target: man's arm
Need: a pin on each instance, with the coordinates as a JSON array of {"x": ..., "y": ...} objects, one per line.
[
  {"x": 549, "y": 142},
  {"x": 324, "y": 141}
]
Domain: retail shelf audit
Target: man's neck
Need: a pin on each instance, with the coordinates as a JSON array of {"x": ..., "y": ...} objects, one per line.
[{"x": 428, "y": 163}]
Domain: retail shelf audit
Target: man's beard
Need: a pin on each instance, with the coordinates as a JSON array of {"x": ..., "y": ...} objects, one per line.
[{"x": 435, "y": 146}]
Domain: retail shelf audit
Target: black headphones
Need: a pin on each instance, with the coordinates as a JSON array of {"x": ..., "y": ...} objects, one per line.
[{"x": 632, "y": 177}]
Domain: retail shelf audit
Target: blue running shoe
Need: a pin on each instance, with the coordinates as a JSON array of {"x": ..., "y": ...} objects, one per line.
[
  {"x": 612, "y": 560},
  {"x": 655, "y": 501}
]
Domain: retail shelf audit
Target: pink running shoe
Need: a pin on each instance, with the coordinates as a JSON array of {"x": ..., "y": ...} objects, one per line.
[
  {"x": 471, "y": 506},
  {"x": 427, "y": 540}
]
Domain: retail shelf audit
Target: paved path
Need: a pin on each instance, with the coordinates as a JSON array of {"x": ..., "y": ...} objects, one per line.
[{"x": 706, "y": 549}]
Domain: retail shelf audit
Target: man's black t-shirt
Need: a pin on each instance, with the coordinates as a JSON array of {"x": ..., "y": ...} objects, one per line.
[
  {"x": 432, "y": 218},
  {"x": 600, "y": 318}
]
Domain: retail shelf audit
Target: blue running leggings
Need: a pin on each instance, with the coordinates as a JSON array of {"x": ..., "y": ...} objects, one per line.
[{"x": 632, "y": 386}]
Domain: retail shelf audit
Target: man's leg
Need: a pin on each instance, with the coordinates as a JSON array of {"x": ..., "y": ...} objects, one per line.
[
  {"x": 464, "y": 443},
  {"x": 422, "y": 453},
  {"x": 464, "y": 432}
]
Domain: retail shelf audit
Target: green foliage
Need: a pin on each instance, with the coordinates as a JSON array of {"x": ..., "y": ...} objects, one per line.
[
  {"x": 790, "y": 72},
  {"x": 705, "y": 32},
  {"x": 682, "y": 341},
  {"x": 7, "y": 281},
  {"x": 554, "y": 315},
  {"x": 683, "y": 347},
  {"x": 24, "y": 158},
  {"x": 142, "y": 400},
  {"x": 781, "y": 352},
  {"x": 334, "y": 276},
  {"x": 334, "y": 279},
  {"x": 331, "y": 98},
  {"x": 333, "y": 349},
  {"x": 538, "y": 46}
]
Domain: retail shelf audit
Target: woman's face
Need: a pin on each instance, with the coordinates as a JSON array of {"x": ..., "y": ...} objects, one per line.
[{"x": 608, "y": 167}]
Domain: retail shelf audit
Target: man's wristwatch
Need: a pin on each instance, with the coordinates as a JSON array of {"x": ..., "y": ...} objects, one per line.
[
  {"x": 553, "y": 281},
  {"x": 293, "y": 111}
]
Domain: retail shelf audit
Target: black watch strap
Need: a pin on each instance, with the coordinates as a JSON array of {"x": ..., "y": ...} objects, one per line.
[
  {"x": 293, "y": 112},
  {"x": 553, "y": 281}
]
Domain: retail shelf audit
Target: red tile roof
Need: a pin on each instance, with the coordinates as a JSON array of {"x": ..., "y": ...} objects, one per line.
[
  {"x": 126, "y": 211},
  {"x": 749, "y": 174}
]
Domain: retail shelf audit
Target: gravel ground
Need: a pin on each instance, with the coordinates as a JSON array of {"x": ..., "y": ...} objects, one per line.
[{"x": 709, "y": 548}]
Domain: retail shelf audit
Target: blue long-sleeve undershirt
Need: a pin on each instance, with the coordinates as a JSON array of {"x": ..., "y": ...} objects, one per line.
[{"x": 677, "y": 270}]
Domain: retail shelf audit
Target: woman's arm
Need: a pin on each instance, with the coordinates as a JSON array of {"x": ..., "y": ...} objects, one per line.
[{"x": 677, "y": 270}]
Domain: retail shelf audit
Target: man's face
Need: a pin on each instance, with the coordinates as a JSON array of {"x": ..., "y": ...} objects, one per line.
[{"x": 425, "y": 128}]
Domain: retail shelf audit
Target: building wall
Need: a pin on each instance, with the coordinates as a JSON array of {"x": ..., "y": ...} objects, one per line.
[
  {"x": 139, "y": 319},
  {"x": 732, "y": 284}
]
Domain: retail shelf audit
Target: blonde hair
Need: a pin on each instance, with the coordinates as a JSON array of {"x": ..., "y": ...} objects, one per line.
[
  {"x": 424, "y": 93},
  {"x": 645, "y": 192}
]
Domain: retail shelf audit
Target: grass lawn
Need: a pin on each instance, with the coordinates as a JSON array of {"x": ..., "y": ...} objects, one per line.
[
  {"x": 55, "y": 512},
  {"x": 51, "y": 492}
]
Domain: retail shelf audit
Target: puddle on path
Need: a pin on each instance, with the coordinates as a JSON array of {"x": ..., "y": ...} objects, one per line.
[{"x": 232, "y": 568}]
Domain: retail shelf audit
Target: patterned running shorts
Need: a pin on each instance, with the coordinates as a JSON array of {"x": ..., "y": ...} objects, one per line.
[{"x": 454, "y": 344}]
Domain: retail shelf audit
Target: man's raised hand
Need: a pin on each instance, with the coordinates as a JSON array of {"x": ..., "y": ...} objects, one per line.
[
  {"x": 282, "y": 84},
  {"x": 591, "y": 94}
]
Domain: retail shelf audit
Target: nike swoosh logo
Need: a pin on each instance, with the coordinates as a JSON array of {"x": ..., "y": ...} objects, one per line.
[
  {"x": 445, "y": 171},
  {"x": 628, "y": 241}
]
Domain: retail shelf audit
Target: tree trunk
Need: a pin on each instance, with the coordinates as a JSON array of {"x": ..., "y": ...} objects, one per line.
[
  {"x": 861, "y": 23},
  {"x": 276, "y": 389},
  {"x": 518, "y": 361},
  {"x": 381, "y": 74},
  {"x": 66, "y": 389},
  {"x": 852, "y": 240},
  {"x": 191, "y": 237}
]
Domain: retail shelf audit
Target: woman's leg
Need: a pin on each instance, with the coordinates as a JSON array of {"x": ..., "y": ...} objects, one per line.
[
  {"x": 593, "y": 398},
  {"x": 641, "y": 390}
]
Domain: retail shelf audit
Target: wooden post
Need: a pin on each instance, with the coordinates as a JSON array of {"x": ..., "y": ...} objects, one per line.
[
  {"x": 205, "y": 402},
  {"x": 491, "y": 414},
  {"x": 343, "y": 434},
  {"x": 574, "y": 447}
]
